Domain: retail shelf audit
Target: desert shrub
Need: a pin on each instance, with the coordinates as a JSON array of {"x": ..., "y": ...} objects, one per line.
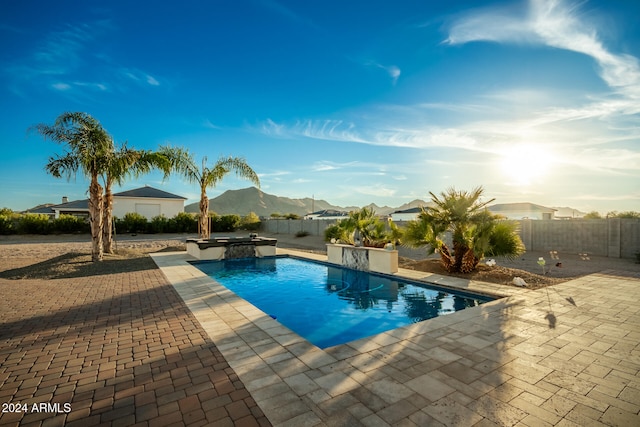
[
  {"x": 292, "y": 216},
  {"x": 132, "y": 222},
  {"x": 6, "y": 224},
  {"x": 183, "y": 222},
  {"x": 31, "y": 223},
  {"x": 225, "y": 223},
  {"x": 334, "y": 231},
  {"x": 158, "y": 224},
  {"x": 302, "y": 233},
  {"x": 70, "y": 224},
  {"x": 250, "y": 222}
]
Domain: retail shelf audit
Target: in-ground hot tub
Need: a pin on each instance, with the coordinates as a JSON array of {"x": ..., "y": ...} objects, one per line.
[{"x": 231, "y": 247}]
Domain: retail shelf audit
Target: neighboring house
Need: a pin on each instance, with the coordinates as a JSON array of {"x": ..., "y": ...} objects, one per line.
[
  {"x": 327, "y": 214},
  {"x": 523, "y": 210},
  {"x": 406, "y": 214},
  {"x": 147, "y": 201}
]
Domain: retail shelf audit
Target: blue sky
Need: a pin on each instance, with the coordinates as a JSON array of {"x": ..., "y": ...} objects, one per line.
[{"x": 352, "y": 102}]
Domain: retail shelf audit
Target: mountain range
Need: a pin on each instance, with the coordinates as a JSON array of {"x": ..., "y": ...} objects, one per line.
[{"x": 251, "y": 199}]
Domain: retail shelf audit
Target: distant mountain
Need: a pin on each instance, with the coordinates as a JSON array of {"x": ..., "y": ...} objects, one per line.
[{"x": 251, "y": 199}]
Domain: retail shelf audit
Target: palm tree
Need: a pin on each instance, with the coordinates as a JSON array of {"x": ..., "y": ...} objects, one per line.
[
  {"x": 184, "y": 163},
  {"x": 89, "y": 147},
  {"x": 475, "y": 232},
  {"x": 364, "y": 227},
  {"x": 122, "y": 163}
]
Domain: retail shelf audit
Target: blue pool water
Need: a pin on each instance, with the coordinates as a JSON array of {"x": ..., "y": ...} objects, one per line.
[{"x": 331, "y": 305}]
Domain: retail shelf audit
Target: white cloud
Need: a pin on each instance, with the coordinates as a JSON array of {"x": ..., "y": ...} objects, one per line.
[
  {"x": 61, "y": 86},
  {"x": 209, "y": 125},
  {"x": 554, "y": 23}
]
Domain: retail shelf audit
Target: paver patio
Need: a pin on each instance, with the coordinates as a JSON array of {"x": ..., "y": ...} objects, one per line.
[
  {"x": 121, "y": 349},
  {"x": 568, "y": 355}
]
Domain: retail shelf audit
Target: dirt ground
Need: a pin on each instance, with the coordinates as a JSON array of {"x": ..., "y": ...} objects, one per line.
[{"x": 66, "y": 256}]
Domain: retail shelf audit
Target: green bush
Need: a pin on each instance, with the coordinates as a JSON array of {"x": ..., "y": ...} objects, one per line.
[
  {"x": 183, "y": 222},
  {"x": 6, "y": 224},
  {"x": 303, "y": 233},
  {"x": 70, "y": 224},
  {"x": 250, "y": 222},
  {"x": 31, "y": 223},
  {"x": 225, "y": 223},
  {"x": 158, "y": 224},
  {"x": 132, "y": 222}
]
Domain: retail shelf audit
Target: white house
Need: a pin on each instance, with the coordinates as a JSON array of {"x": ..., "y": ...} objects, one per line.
[
  {"x": 406, "y": 214},
  {"x": 327, "y": 214},
  {"x": 523, "y": 210},
  {"x": 147, "y": 201}
]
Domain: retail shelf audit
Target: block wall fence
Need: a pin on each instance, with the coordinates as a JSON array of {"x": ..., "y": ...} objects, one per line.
[{"x": 611, "y": 237}]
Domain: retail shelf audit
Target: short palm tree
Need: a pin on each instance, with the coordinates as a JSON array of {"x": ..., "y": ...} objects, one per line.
[
  {"x": 183, "y": 162},
  {"x": 122, "y": 163},
  {"x": 364, "y": 227},
  {"x": 88, "y": 149},
  {"x": 475, "y": 232}
]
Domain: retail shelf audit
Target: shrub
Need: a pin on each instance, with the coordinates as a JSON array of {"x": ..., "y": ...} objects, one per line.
[
  {"x": 70, "y": 224},
  {"x": 6, "y": 224},
  {"x": 250, "y": 222},
  {"x": 334, "y": 231},
  {"x": 132, "y": 222},
  {"x": 183, "y": 222},
  {"x": 302, "y": 233},
  {"x": 31, "y": 223},
  {"x": 225, "y": 223},
  {"x": 158, "y": 224}
]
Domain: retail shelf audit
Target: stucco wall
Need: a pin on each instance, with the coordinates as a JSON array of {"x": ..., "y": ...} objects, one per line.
[
  {"x": 613, "y": 237},
  {"x": 167, "y": 207}
]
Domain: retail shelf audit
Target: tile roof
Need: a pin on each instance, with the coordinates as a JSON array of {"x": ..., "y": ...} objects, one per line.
[{"x": 148, "y": 192}]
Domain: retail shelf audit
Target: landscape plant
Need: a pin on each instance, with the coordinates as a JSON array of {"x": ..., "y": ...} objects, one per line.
[
  {"x": 250, "y": 222},
  {"x": 363, "y": 227},
  {"x": 69, "y": 224},
  {"x": 32, "y": 223},
  {"x": 475, "y": 232},
  {"x": 131, "y": 222},
  {"x": 183, "y": 162},
  {"x": 7, "y": 221},
  {"x": 88, "y": 147}
]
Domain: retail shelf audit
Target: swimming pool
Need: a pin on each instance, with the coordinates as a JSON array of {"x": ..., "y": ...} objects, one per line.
[{"x": 330, "y": 305}]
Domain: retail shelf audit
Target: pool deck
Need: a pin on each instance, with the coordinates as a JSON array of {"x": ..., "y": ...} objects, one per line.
[{"x": 567, "y": 355}]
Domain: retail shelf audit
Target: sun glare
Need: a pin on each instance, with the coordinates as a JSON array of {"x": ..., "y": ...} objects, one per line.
[{"x": 525, "y": 164}]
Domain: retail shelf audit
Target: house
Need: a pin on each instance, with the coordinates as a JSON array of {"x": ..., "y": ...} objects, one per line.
[
  {"x": 523, "y": 210},
  {"x": 147, "y": 201},
  {"x": 406, "y": 214},
  {"x": 327, "y": 214}
]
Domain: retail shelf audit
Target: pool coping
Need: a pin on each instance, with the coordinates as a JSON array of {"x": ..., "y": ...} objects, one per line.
[{"x": 269, "y": 358}]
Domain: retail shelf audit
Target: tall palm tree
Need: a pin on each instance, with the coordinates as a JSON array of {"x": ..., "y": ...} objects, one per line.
[
  {"x": 88, "y": 149},
  {"x": 475, "y": 232},
  {"x": 183, "y": 162}
]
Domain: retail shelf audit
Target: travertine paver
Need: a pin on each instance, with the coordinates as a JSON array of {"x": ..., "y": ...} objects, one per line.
[
  {"x": 564, "y": 355},
  {"x": 120, "y": 349}
]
